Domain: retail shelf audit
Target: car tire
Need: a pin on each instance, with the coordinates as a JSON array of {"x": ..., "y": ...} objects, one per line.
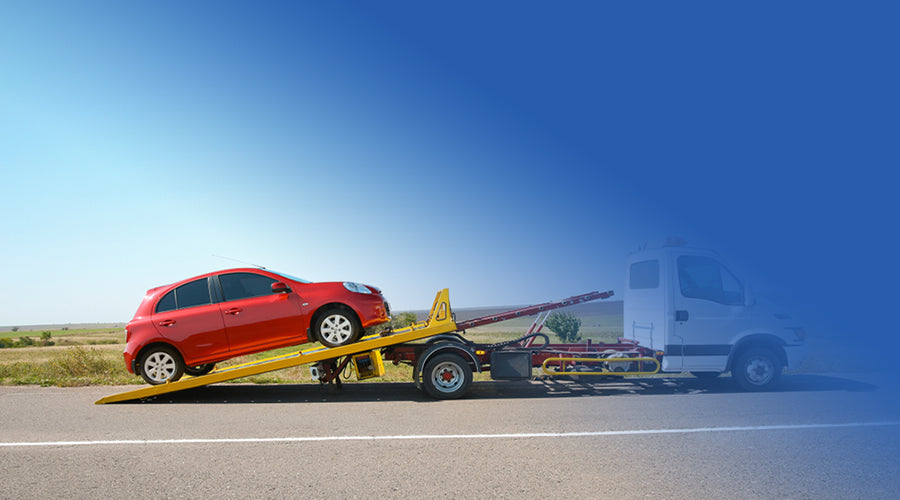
[
  {"x": 447, "y": 376},
  {"x": 337, "y": 327},
  {"x": 196, "y": 371},
  {"x": 161, "y": 364},
  {"x": 757, "y": 369}
]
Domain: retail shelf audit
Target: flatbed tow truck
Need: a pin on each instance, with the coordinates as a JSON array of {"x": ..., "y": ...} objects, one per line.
[{"x": 444, "y": 360}]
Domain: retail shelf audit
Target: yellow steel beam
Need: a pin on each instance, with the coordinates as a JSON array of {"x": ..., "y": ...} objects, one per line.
[
  {"x": 602, "y": 370},
  {"x": 440, "y": 320}
]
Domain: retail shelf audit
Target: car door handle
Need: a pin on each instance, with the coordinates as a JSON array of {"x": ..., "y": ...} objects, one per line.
[
  {"x": 681, "y": 315},
  {"x": 167, "y": 322},
  {"x": 233, "y": 310}
]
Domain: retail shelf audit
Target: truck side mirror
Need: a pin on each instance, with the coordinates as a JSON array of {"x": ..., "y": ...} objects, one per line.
[{"x": 749, "y": 299}]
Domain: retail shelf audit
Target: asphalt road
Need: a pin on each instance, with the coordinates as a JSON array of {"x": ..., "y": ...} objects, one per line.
[{"x": 817, "y": 437}]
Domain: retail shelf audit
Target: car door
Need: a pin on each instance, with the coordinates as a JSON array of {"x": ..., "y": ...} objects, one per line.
[
  {"x": 256, "y": 317},
  {"x": 192, "y": 321},
  {"x": 709, "y": 305}
]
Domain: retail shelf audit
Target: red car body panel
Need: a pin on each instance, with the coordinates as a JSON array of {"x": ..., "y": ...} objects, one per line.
[{"x": 224, "y": 329}]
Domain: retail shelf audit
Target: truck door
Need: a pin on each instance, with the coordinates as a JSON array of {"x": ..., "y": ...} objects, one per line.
[{"x": 708, "y": 304}]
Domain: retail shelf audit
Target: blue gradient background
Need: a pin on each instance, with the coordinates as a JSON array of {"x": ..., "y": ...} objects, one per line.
[{"x": 514, "y": 152}]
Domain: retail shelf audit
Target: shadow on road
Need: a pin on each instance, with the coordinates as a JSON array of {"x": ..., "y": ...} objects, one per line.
[{"x": 541, "y": 388}]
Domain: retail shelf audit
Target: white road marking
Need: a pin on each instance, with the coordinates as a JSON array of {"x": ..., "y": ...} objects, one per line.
[{"x": 635, "y": 432}]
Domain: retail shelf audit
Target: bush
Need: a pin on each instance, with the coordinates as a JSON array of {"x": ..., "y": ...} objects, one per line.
[
  {"x": 402, "y": 320},
  {"x": 45, "y": 339},
  {"x": 565, "y": 326},
  {"x": 25, "y": 342},
  {"x": 81, "y": 362}
]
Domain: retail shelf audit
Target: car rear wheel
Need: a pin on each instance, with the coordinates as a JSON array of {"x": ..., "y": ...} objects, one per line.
[
  {"x": 337, "y": 327},
  {"x": 196, "y": 371},
  {"x": 161, "y": 364}
]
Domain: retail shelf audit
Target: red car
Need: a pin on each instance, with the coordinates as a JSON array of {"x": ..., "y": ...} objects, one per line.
[{"x": 189, "y": 326}]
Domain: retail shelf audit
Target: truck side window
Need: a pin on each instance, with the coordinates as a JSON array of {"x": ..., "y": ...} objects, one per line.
[
  {"x": 644, "y": 274},
  {"x": 704, "y": 278}
]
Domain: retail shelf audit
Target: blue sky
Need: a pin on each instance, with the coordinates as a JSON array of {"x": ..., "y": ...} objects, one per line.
[{"x": 513, "y": 152}]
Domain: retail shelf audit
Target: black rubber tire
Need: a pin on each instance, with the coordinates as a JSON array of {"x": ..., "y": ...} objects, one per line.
[
  {"x": 757, "y": 369},
  {"x": 336, "y": 327},
  {"x": 196, "y": 371},
  {"x": 706, "y": 375},
  {"x": 447, "y": 376},
  {"x": 161, "y": 364}
]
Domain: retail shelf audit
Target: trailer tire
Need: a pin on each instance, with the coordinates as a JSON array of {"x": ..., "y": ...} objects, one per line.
[
  {"x": 447, "y": 376},
  {"x": 757, "y": 369}
]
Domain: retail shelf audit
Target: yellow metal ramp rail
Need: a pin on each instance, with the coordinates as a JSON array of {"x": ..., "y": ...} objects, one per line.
[{"x": 440, "y": 320}]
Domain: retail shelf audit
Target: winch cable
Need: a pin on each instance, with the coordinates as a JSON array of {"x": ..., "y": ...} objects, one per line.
[{"x": 500, "y": 345}]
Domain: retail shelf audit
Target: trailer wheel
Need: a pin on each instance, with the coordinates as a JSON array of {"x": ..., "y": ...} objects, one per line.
[
  {"x": 196, "y": 371},
  {"x": 337, "y": 327},
  {"x": 447, "y": 376},
  {"x": 757, "y": 369},
  {"x": 160, "y": 364}
]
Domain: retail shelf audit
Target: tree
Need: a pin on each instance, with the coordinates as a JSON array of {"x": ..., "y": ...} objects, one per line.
[{"x": 565, "y": 326}]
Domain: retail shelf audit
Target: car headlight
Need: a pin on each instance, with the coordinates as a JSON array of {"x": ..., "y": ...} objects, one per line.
[{"x": 356, "y": 287}]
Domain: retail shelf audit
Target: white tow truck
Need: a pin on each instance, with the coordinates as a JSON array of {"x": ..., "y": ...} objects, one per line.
[{"x": 684, "y": 311}]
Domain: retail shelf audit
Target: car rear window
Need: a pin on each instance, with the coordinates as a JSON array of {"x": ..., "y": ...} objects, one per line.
[{"x": 195, "y": 293}]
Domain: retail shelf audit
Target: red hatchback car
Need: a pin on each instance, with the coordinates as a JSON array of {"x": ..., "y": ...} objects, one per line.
[{"x": 189, "y": 326}]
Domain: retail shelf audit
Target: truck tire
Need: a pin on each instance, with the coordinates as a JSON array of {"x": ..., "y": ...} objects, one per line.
[
  {"x": 757, "y": 369},
  {"x": 447, "y": 376}
]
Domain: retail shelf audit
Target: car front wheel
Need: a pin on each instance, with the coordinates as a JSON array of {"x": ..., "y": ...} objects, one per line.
[
  {"x": 337, "y": 327},
  {"x": 161, "y": 364}
]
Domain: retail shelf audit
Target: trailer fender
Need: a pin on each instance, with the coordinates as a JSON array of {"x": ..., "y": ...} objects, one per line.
[{"x": 446, "y": 344}]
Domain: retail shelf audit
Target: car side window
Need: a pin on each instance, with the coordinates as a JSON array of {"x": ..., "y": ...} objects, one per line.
[
  {"x": 195, "y": 293},
  {"x": 704, "y": 278},
  {"x": 237, "y": 286}
]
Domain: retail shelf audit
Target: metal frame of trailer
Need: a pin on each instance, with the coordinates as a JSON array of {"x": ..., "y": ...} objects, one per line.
[{"x": 443, "y": 359}]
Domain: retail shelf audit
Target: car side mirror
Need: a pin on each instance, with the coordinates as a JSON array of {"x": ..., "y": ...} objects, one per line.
[{"x": 280, "y": 287}]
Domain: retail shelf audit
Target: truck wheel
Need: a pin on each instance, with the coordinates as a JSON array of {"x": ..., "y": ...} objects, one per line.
[
  {"x": 757, "y": 369},
  {"x": 447, "y": 376},
  {"x": 336, "y": 327},
  {"x": 196, "y": 371},
  {"x": 161, "y": 364}
]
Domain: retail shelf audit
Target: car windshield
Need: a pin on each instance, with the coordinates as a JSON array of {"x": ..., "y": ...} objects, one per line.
[{"x": 288, "y": 276}]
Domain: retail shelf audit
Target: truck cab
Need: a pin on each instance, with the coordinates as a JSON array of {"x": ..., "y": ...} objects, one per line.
[{"x": 686, "y": 303}]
